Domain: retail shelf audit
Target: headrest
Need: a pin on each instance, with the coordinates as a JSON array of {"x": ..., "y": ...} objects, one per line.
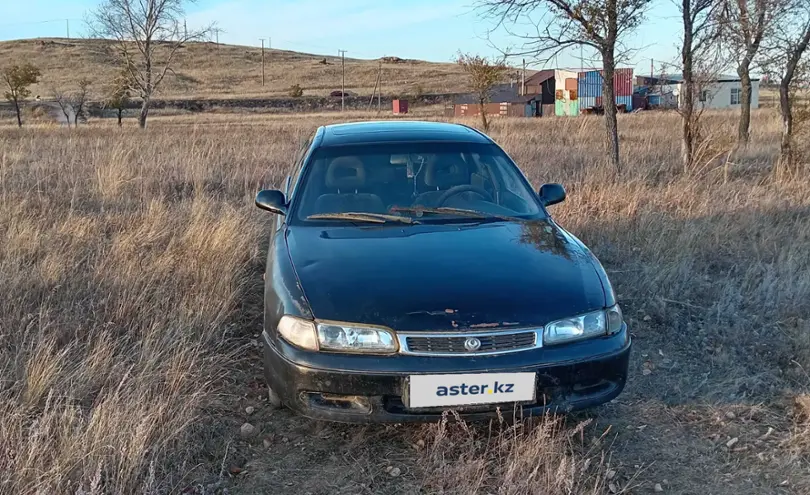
[
  {"x": 446, "y": 172},
  {"x": 345, "y": 172}
]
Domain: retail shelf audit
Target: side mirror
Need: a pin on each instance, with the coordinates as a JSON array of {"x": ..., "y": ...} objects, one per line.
[
  {"x": 272, "y": 201},
  {"x": 551, "y": 194}
]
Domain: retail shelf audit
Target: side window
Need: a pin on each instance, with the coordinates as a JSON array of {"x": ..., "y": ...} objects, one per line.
[{"x": 735, "y": 96}]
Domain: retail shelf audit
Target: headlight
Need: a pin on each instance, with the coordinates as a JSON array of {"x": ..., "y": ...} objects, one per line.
[
  {"x": 336, "y": 337},
  {"x": 347, "y": 337},
  {"x": 298, "y": 332},
  {"x": 594, "y": 324}
]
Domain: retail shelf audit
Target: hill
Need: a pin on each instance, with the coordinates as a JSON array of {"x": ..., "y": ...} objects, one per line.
[{"x": 210, "y": 70}]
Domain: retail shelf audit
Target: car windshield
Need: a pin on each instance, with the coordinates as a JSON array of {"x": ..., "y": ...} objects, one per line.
[{"x": 433, "y": 181}]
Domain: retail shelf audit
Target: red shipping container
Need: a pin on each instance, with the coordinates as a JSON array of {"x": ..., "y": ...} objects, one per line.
[
  {"x": 623, "y": 82},
  {"x": 400, "y": 106}
]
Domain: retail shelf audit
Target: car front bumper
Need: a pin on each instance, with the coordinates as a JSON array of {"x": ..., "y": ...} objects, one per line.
[{"x": 370, "y": 389}]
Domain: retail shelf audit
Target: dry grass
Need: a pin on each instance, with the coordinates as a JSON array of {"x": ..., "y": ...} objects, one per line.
[
  {"x": 130, "y": 264},
  {"x": 206, "y": 70},
  {"x": 531, "y": 457}
]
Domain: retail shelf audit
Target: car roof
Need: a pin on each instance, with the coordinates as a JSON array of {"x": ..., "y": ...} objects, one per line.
[{"x": 398, "y": 131}]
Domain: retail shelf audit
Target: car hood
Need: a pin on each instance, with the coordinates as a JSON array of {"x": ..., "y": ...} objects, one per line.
[{"x": 445, "y": 277}]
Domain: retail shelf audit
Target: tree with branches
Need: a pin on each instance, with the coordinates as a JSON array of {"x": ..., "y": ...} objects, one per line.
[
  {"x": 484, "y": 75},
  {"x": 699, "y": 62},
  {"x": 147, "y": 36},
  {"x": 563, "y": 24},
  {"x": 791, "y": 39},
  {"x": 118, "y": 93},
  {"x": 745, "y": 25},
  {"x": 17, "y": 79},
  {"x": 73, "y": 103},
  {"x": 62, "y": 99}
]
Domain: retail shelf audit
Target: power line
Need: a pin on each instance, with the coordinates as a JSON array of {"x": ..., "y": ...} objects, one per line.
[{"x": 29, "y": 23}]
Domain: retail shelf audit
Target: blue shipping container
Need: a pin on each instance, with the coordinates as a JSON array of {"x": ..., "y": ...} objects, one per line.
[
  {"x": 586, "y": 102},
  {"x": 595, "y": 101},
  {"x": 590, "y": 83}
]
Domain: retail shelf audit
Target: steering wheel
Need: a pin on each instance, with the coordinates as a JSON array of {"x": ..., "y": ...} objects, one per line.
[{"x": 456, "y": 190}]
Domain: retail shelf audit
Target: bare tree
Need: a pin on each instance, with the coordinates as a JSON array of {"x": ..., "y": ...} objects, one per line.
[
  {"x": 598, "y": 24},
  {"x": 65, "y": 105},
  {"x": 792, "y": 37},
  {"x": 745, "y": 24},
  {"x": 699, "y": 49},
  {"x": 17, "y": 79},
  {"x": 484, "y": 75},
  {"x": 73, "y": 103},
  {"x": 79, "y": 100},
  {"x": 139, "y": 28}
]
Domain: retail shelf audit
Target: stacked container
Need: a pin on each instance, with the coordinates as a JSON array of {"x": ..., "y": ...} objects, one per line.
[
  {"x": 590, "y": 88},
  {"x": 623, "y": 86}
]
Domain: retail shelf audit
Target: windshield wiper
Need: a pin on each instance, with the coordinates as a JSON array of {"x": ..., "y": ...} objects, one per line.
[
  {"x": 453, "y": 211},
  {"x": 362, "y": 217},
  {"x": 440, "y": 211}
]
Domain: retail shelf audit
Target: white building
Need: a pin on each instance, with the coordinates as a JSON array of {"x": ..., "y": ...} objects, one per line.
[
  {"x": 726, "y": 92},
  {"x": 723, "y": 92}
]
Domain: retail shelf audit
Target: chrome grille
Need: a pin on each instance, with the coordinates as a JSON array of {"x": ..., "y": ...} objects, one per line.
[{"x": 453, "y": 343}]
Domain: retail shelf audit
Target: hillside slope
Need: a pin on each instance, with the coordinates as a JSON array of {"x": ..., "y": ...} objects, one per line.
[{"x": 207, "y": 70}]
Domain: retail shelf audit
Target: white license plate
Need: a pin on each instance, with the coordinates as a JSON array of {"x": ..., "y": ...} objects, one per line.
[{"x": 471, "y": 388}]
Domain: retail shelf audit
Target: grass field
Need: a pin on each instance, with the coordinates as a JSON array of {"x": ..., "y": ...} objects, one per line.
[
  {"x": 207, "y": 70},
  {"x": 132, "y": 265}
]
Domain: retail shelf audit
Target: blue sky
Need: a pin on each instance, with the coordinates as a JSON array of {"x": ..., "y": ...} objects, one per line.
[{"x": 425, "y": 29}]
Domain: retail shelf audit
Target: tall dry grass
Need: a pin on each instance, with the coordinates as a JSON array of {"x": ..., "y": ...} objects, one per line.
[
  {"x": 527, "y": 457},
  {"x": 124, "y": 267},
  {"x": 130, "y": 264}
]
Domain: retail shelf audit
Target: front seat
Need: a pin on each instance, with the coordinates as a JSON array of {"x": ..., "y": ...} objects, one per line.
[
  {"x": 346, "y": 175},
  {"x": 441, "y": 174}
]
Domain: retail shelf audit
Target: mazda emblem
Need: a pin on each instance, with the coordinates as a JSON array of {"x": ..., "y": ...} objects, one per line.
[{"x": 472, "y": 344}]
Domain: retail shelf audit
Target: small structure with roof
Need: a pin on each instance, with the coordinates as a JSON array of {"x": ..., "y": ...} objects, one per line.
[
  {"x": 504, "y": 100},
  {"x": 723, "y": 91}
]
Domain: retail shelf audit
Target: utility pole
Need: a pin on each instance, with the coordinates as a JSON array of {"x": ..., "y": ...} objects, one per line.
[
  {"x": 67, "y": 26},
  {"x": 379, "y": 94},
  {"x": 651, "y": 69},
  {"x": 581, "y": 60},
  {"x": 342, "y": 54},
  {"x": 523, "y": 80},
  {"x": 262, "y": 60},
  {"x": 216, "y": 32},
  {"x": 185, "y": 29}
]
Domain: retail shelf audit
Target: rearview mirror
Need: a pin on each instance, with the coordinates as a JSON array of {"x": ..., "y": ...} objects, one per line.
[
  {"x": 272, "y": 201},
  {"x": 551, "y": 194}
]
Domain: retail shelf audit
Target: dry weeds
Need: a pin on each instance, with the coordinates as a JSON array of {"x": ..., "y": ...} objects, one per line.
[
  {"x": 130, "y": 265},
  {"x": 533, "y": 456}
]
